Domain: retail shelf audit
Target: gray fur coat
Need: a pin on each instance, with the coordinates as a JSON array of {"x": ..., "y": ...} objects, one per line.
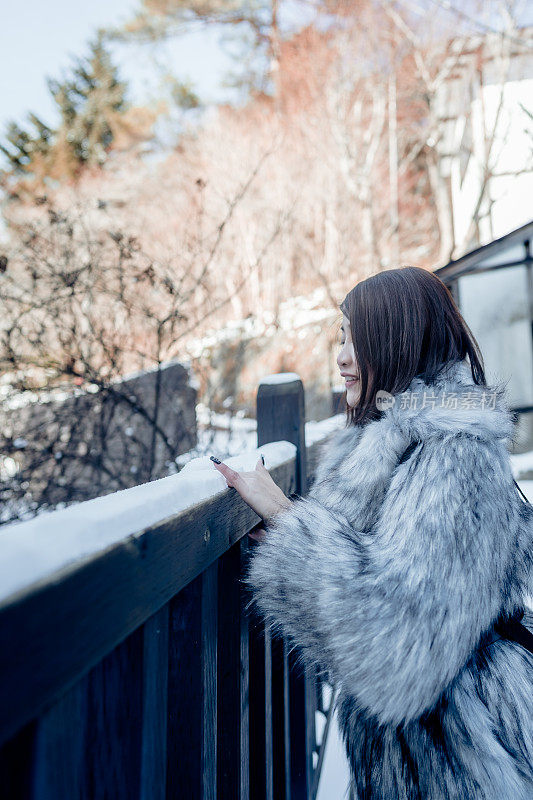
[{"x": 389, "y": 576}]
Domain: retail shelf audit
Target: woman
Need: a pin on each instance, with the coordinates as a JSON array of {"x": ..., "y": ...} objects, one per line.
[{"x": 391, "y": 575}]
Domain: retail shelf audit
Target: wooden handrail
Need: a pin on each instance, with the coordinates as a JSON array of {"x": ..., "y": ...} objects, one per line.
[{"x": 93, "y": 591}]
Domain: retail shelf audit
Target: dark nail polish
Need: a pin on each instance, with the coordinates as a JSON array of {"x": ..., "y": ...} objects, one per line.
[
  {"x": 216, "y": 460},
  {"x": 263, "y": 459}
]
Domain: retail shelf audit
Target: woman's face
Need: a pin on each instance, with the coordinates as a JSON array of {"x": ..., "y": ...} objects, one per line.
[{"x": 347, "y": 365}]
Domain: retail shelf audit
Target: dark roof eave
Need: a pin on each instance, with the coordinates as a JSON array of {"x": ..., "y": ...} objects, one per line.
[{"x": 468, "y": 262}]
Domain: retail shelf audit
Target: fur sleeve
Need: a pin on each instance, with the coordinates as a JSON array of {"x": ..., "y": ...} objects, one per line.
[{"x": 394, "y": 612}]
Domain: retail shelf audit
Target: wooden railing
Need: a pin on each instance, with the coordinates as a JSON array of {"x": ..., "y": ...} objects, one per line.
[{"x": 129, "y": 667}]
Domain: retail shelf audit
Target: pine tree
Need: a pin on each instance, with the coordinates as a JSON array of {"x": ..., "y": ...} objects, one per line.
[
  {"x": 89, "y": 101},
  {"x": 22, "y": 145}
]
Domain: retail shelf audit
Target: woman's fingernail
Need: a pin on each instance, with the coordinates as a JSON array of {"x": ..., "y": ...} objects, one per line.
[
  {"x": 216, "y": 460},
  {"x": 263, "y": 459}
]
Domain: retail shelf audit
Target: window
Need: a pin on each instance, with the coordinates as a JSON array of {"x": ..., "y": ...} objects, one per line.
[{"x": 495, "y": 305}]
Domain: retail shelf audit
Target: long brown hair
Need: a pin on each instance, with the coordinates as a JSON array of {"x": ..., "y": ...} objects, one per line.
[{"x": 404, "y": 324}]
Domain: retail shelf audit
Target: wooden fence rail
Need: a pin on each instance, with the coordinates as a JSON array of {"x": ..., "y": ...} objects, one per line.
[{"x": 129, "y": 667}]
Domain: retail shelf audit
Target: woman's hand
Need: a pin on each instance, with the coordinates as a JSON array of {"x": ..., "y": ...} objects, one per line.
[{"x": 256, "y": 488}]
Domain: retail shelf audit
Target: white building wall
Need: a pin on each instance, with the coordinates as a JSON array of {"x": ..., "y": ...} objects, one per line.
[
  {"x": 486, "y": 140},
  {"x": 509, "y": 197}
]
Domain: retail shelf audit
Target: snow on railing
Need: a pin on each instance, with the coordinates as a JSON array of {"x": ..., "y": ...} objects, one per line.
[{"x": 35, "y": 549}]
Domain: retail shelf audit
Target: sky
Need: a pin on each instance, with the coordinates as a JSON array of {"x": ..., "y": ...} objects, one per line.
[{"x": 38, "y": 38}]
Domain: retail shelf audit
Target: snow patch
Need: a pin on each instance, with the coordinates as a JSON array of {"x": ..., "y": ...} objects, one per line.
[
  {"x": 315, "y": 431},
  {"x": 522, "y": 462},
  {"x": 280, "y": 377},
  {"x": 275, "y": 453},
  {"x": 527, "y": 488}
]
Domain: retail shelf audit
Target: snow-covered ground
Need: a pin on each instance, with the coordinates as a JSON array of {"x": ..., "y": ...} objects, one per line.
[
  {"x": 527, "y": 488},
  {"x": 294, "y": 314},
  {"x": 522, "y": 463},
  {"x": 335, "y": 774}
]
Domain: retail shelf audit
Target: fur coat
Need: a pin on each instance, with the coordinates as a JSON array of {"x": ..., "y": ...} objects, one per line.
[{"x": 389, "y": 576}]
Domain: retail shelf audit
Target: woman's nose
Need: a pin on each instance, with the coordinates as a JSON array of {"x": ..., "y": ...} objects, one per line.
[{"x": 343, "y": 359}]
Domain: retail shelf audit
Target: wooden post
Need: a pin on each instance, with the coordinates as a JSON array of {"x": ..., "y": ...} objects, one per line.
[{"x": 281, "y": 416}]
